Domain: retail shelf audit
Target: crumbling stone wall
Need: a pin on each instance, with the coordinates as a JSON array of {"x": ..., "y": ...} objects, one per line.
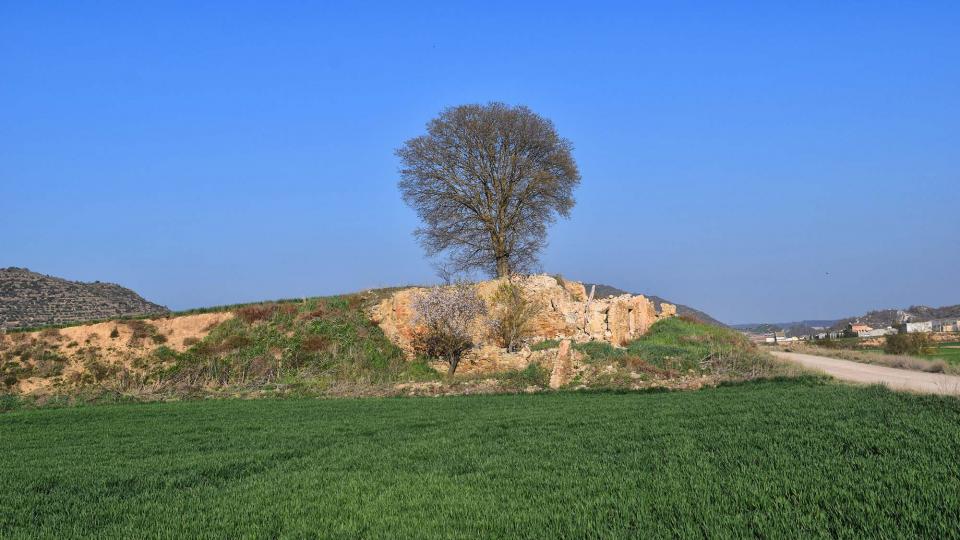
[{"x": 567, "y": 312}]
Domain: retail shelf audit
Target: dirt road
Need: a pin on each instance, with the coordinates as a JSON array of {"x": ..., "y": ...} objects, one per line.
[{"x": 897, "y": 379}]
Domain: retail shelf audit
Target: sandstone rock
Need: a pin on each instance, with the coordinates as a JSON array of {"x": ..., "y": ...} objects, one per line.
[
  {"x": 576, "y": 289},
  {"x": 566, "y": 313},
  {"x": 561, "y": 366},
  {"x": 595, "y": 327},
  {"x": 642, "y": 315},
  {"x": 668, "y": 310},
  {"x": 619, "y": 320}
]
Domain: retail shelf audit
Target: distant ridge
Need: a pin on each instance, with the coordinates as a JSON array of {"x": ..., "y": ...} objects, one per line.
[
  {"x": 30, "y": 299},
  {"x": 880, "y": 318},
  {"x": 794, "y": 328},
  {"x": 603, "y": 291},
  {"x": 891, "y": 317}
]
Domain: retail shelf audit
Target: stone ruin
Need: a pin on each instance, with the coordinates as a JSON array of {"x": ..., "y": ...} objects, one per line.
[{"x": 568, "y": 312}]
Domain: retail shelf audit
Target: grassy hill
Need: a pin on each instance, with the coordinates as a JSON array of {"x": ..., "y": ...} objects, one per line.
[
  {"x": 329, "y": 346},
  {"x": 770, "y": 459}
]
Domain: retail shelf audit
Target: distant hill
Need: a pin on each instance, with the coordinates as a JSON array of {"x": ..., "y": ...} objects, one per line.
[
  {"x": 30, "y": 299},
  {"x": 794, "y": 328},
  {"x": 602, "y": 291},
  {"x": 880, "y": 318},
  {"x": 892, "y": 317}
]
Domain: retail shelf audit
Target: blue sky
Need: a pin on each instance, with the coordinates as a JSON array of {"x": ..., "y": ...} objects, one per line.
[{"x": 760, "y": 161}]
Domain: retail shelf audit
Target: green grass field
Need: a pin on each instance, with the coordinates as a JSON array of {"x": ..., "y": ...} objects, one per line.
[
  {"x": 949, "y": 352},
  {"x": 775, "y": 459}
]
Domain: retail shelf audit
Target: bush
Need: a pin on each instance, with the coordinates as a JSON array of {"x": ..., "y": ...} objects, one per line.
[
  {"x": 161, "y": 354},
  {"x": 52, "y": 334},
  {"x": 115, "y": 333},
  {"x": 48, "y": 364},
  {"x": 100, "y": 371},
  {"x": 315, "y": 343},
  {"x": 445, "y": 315},
  {"x": 254, "y": 313},
  {"x": 512, "y": 315},
  {"x": 828, "y": 343},
  {"x": 914, "y": 344},
  {"x": 141, "y": 329}
]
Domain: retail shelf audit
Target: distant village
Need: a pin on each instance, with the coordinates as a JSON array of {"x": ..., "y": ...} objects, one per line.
[{"x": 859, "y": 330}]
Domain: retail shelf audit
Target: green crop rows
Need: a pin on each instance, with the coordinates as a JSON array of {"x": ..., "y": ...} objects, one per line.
[{"x": 774, "y": 459}]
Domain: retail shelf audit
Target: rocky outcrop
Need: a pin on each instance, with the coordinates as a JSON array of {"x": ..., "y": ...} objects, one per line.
[
  {"x": 567, "y": 311},
  {"x": 562, "y": 366},
  {"x": 31, "y": 299}
]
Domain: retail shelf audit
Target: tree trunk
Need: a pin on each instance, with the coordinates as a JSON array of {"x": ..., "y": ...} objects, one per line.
[
  {"x": 500, "y": 254},
  {"x": 453, "y": 366},
  {"x": 503, "y": 267}
]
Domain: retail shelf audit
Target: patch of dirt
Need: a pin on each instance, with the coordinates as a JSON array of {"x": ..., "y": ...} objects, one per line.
[{"x": 110, "y": 345}]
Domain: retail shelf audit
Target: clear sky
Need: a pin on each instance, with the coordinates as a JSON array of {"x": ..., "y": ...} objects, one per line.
[{"x": 760, "y": 161}]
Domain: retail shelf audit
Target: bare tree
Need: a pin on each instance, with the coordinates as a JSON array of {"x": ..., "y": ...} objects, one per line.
[
  {"x": 512, "y": 315},
  {"x": 487, "y": 180}
]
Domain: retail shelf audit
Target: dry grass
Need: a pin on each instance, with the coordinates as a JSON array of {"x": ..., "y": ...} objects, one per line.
[
  {"x": 254, "y": 313},
  {"x": 898, "y": 361}
]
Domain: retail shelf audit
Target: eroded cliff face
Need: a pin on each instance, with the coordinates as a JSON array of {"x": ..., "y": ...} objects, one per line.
[{"x": 566, "y": 312}]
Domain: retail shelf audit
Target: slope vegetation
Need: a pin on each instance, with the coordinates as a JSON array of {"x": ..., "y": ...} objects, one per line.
[{"x": 330, "y": 346}]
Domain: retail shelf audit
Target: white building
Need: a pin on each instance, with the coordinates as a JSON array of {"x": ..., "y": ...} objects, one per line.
[
  {"x": 879, "y": 332},
  {"x": 918, "y": 327}
]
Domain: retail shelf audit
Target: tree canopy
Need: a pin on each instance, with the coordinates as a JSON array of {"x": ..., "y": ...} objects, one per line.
[{"x": 487, "y": 180}]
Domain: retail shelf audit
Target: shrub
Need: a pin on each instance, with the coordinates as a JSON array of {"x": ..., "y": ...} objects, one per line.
[
  {"x": 159, "y": 339},
  {"x": 828, "y": 343},
  {"x": 445, "y": 315},
  {"x": 315, "y": 343},
  {"x": 51, "y": 334},
  {"x": 915, "y": 344},
  {"x": 48, "y": 364},
  {"x": 513, "y": 312},
  {"x": 254, "y": 313},
  {"x": 140, "y": 329},
  {"x": 190, "y": 341},
  {"x": 231, "y": 343},
  {"x": 637, "y": 364},
  {"x": 115, "y": 333},
  {"x": 162, "y": 354},
  {"x": 317, "y": 312},
  {"x": 99, "y": 370}
]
